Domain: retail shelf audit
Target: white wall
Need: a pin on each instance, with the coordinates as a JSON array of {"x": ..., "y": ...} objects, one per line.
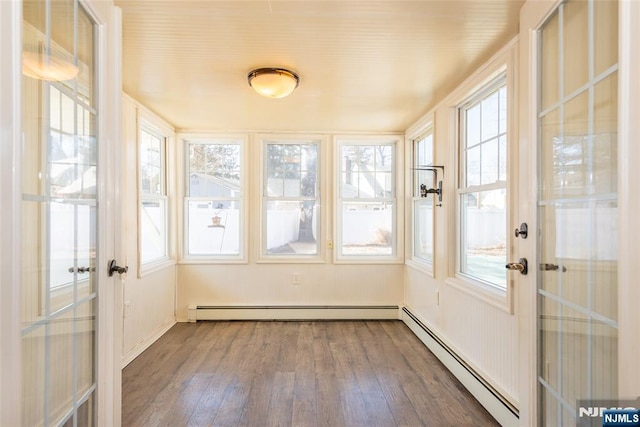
[
  {"x": 477, "y": 329},
  {"x": 148, "y": 298},
  {"x": 271, "y": 284}
]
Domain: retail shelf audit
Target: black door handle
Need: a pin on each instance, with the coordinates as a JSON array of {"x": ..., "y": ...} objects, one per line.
[{"x": 114, "y": 268}]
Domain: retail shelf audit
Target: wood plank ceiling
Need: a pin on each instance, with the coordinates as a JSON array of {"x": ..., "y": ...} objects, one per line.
[{"x": 364, "y": 66}]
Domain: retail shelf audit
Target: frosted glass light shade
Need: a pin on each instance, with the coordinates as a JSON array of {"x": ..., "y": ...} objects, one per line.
[
  {"x": 273, "y": 82},
  {"x": 41, "y": 66}
]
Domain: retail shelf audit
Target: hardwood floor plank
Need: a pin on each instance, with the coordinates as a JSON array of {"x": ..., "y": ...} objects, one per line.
[{"x": 302, "y": 374}]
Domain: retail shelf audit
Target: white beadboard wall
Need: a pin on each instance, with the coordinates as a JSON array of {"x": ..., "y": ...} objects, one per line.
[
  {"x": 271, "y": 284},
  {"x": 148, "y": 299},
  {"x": 484, "y": 335}
]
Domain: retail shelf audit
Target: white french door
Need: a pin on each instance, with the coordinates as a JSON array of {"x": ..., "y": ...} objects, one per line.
[
  {"x": 577, "y": 209},
  {"x": 69, "y": 372}
]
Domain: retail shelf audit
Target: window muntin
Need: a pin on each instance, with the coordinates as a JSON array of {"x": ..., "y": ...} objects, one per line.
[
  {"x": 153, "y": 196},
  {"x": 291, "y": 198},
  {"x": 215, "y": 196},
  {"x": 423, "y": 206},
  {"x": 367, "y": 199},
  {"x": 482, "y": 191}
]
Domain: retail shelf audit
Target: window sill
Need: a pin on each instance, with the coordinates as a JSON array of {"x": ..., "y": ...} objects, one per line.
[
  {"x": 368, "y": 260},
  {"x": 300, "y": 259},
  {"x": 422, "y": 267},
  {"x": 212, "y": 260},
  {"x": 154, "y": 266},
  {"x": 493, "y": 297}
]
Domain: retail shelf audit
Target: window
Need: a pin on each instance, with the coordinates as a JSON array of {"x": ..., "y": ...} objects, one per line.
[
  {"x": 291, "y": 193},
  {"x": 482, "y": 187},
  {"x": 423, "y": 206},
  {"x": 153, "y": 196},
  {"x": 367, "y": 199},
  {"x": 215, "y": 196}
]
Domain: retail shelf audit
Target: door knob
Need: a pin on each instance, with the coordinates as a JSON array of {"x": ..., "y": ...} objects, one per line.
[
  {"x": 523, "y": 231},
  {"x": 113, "y": 268},
  {"x": 521, "y": 266},
  {"x": 81, "y": 269}
]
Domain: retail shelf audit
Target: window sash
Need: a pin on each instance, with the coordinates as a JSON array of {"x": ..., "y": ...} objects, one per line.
[
  {"x": 481, "y": 256},
  {"x": 160, "y": 197},
  {"x": 221, "y": 228},
  {"x": 372, "y": 236},
  {"x": 279, "y": 215}
]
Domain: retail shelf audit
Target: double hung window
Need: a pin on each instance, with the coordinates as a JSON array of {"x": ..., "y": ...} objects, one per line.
[
  {"x": 291, "y": 198},
  {"x": 482, "y": 190},
  {"x": 423, "y": 206},
  {"x": 367, "y": 199},
  {"x": 153, "y": 195},
  {"x": 215, "y": 196}
]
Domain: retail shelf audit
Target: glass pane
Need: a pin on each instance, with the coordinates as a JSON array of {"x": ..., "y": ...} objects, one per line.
[
  {"x": 153, "y": 225},
  {"x": 214, "y": 170},
  {"x": 549, "y": 68},
  {"x": 550, "y": 315},
  {"x": 33, "y": 377},
  {"x": 502, "y": 169},
  {"x": 473, "y": 166},
  {"x": 549, "y": 139},
  {"x": 472, "y": 124},
  {"x": 604, "y": 360},
  {"x": 85, "y": 336},
  {"x": 575, "y": 47},
  {"x": 483, "y": 232},
  {"x": 62, "y": 244},
  {"x": 490, "y": 162},
  {"x": 605, "y": 140},
  {"x": 367, "y": 228},
  {"x": 423, "y": 229},
  {"x": 86, "y": 413},
  {"x": 605, "y": 35},
  {"x": 33, "y": 261},
  {"x": 60, "y": 371},
  {"x": 86, "y": 249},
  {"x": 502, "y": 125},
  {"x": 214, "y": 227},
  {"x": 490, "y": 116},
  {"x": 292, "y": 227},
  {"x": 86, "y": 58},
  {"x": 574, "y": 350},
  {"x": 292, "y": 184}
]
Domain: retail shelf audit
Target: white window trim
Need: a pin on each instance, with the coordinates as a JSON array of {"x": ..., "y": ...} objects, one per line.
[
  {"x": 258, "y": 184},
  {"x": 147, "y": 120},
  {"x": 397, "y": 256},
  {"x": 423, "y": 129},
  {"x": 183, "y": 162},
  {"x": 503, "y": 62}
]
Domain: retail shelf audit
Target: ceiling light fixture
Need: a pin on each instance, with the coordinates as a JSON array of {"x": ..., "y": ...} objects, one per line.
[{"x": 273, "y": 82}]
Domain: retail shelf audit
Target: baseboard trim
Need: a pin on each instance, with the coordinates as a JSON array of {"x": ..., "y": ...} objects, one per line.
[
  {"x": 293, "y": 312},
  {"x": 497, "y": 405},
  {"x": 145, "y": 344}
]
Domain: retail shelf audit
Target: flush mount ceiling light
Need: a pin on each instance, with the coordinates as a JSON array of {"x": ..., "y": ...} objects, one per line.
[{"x": 273, "y": 82}]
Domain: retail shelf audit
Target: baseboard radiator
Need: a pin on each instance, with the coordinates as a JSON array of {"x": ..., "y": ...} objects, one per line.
[
  {"x": 493, "y": 401},
  {"x": 293, "y": 312}
]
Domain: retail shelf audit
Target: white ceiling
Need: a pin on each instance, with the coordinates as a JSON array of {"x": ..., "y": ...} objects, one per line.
[{"x": 364, "y": 66}]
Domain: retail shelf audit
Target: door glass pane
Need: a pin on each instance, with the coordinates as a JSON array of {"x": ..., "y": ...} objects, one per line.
[
  {"x": 605, "y": 35},
  {"x": 549, "y": 89},
  {"x": 575, "y": 38}
]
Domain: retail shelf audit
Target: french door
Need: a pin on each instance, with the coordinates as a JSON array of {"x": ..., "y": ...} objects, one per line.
[
  {"x": 577, "y": 209},
  {"x": 67, "y": 217}
]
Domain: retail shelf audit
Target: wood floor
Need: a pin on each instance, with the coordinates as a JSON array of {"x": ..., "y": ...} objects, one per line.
[{"x": 353, "y": 373}]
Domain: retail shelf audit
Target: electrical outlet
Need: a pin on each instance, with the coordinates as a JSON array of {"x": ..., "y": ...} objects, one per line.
[
  {"x": 295, "y": 278},
  {"x": 330, "y": 244}
]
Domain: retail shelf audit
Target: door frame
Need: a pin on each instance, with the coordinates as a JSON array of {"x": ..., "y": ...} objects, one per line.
[
  {"x": 532, "y": 15},
  {"x": 109, "y": 333}
]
